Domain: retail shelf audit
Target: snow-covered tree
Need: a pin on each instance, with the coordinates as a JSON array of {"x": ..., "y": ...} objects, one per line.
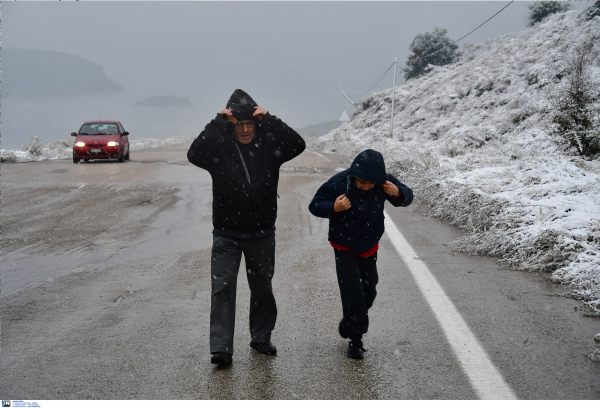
[
  {"x": 425, "y": 44},
  {"x": 542, "y": 9},
  {"x": 592, "y": 11},
  {"x": 576, "y": 122}
]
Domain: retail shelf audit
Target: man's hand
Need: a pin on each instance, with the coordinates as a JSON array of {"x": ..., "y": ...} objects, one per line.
[
  {"x": 341, "y": 203},
  {"x": 226, "y": 112},
  {"x": 259, "y": 112},
  {"x": 391, "y": 189}
]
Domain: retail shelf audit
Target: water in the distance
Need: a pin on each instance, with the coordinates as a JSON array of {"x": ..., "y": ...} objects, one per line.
[{"x": 55, "y": 118}]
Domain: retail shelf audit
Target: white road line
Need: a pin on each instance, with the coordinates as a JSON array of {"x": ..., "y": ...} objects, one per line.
[{"x": 485, "y": 379}]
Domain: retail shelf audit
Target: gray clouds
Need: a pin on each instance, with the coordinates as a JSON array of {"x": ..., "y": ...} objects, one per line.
[{"x": 290, "y": 56}]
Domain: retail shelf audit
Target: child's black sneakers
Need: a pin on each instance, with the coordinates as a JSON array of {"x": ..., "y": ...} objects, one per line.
[{"x": 356, "y": 350}]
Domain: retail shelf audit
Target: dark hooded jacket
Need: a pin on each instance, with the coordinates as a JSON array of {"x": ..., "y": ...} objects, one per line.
[
  {"x": 244, "y": 191},
  {"x": 361, "y": 226}
]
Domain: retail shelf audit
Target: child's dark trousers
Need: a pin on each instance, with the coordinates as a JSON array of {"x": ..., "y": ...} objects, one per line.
[{"x": 357, "y": 278}]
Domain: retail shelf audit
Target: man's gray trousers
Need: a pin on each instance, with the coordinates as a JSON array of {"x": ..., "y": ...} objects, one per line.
[{"x": 259, "y": 255}]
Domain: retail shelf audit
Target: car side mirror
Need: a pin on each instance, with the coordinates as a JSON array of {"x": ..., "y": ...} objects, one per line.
[
  {"x": 125, "y": 133},
  {"x": 74, "y": 134}
]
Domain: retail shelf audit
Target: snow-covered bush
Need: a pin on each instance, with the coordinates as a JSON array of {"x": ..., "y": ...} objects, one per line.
[
  {"x": 542, "y": 9},
  {"x": 592, "y": 11},
  {"x": 36, "y": 150},
  {"x": 576, "y": 123},
  {"x": 8, "y": 156},
  {"x": 425, "y": 44}
]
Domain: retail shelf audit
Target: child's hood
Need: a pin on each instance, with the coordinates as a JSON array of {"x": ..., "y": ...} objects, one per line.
[{"x": 369, "y": 166}]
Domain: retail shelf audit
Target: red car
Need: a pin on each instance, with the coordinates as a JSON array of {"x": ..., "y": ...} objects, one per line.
[{"x": 101, "y": 140}]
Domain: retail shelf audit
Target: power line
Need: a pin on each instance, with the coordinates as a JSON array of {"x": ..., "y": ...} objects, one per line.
[
  {"x": 472, "y": 31},
  {"x": 383, "y": 76},
  {"x": 441, "y": 49}
]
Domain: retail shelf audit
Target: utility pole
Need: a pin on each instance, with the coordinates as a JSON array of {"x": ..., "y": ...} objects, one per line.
[
  {"x": 393, "y": 100},
  {"x": 344, "y": 118}
]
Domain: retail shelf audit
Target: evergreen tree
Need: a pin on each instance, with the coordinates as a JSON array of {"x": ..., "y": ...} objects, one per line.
[
  {"x": 576, "y": 121},
  {"x": 425, "y": 44},
  {"x": 542, "y": 9}
]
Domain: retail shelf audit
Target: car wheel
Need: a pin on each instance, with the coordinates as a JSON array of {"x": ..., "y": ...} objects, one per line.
[
  {"x": 121, "y": 157},
  {"x": 75, "y": 160},
  {"x": 127, "y": 155}
]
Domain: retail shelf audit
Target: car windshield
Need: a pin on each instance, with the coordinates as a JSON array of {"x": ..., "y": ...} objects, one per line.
[{"x": 99, "y": 129}]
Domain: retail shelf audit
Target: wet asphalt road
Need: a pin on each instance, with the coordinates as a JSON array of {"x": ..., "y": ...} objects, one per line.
[{"x": 106, "y": 295}]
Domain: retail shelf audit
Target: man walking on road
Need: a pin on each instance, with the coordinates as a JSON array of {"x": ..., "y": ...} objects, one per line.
[{"x": 242, "y": 148}]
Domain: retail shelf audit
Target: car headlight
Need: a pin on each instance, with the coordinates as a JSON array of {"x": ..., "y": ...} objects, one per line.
[
  {"x": 79, "y": 144},
  {"x": 113, "y": 143}
]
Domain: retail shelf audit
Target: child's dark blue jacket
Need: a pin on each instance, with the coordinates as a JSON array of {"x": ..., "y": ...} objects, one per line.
[{"x": 361, "y": 226}]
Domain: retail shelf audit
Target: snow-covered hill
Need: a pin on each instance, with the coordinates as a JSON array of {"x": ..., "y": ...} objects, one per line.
[{"x": 472, "y": 140}]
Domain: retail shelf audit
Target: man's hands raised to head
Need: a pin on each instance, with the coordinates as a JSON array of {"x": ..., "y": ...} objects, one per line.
[
  {"x": 226, "y": 112},
  {"x": 259, "y": 112}
]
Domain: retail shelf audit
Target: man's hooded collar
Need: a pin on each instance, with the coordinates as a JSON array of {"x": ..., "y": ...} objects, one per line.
[
  {"x": 241, "y": 105},
  {"x": 369, "y": 166}
]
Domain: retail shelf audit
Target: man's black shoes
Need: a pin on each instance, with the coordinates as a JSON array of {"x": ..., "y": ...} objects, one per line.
[
  {"x": 225, "y": 359},
  {"x": 356, "y": 350},
  {"x": 221, "y": 358},
  {"x": 341, "y": 329},
  {"x": 264, "y": 348}
]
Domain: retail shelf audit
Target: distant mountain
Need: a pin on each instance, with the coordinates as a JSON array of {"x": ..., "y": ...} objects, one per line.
[
  {"x": 319, "y": 129},
  {"x": 34, "y": 73},
  {"x": 164, "y": 101}
]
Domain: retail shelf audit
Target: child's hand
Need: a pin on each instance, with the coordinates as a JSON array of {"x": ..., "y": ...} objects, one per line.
[
  {"x": 341, "y": 203},
  {"x": 391, "y": 189}
]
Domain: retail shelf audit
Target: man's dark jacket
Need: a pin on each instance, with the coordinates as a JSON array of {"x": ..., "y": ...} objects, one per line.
[
  {"x": 361, "y": 226},
  {"x": 245, "y": 209}
]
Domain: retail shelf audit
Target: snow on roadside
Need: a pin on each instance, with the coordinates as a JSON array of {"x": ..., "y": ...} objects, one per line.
[
  {"x": 62, "y": 149},
  {"x": 143, "y": 144},
  {"x": 472, "y": 141}
]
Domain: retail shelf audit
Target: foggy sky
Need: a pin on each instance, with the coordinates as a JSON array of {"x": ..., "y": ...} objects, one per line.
[{"x": 291, "y": 57}]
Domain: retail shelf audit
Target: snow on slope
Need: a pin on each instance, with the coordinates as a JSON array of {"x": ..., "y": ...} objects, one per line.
[
  {"x": 63, "y": 149},
  {"x": 472, "y": 141}
]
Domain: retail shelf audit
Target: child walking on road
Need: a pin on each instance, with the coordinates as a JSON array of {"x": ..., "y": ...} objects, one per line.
[{"x": 353, "y": 201}]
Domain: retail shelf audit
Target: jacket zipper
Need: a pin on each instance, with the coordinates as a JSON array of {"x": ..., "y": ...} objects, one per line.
[{"x": 244, "y": 164}]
